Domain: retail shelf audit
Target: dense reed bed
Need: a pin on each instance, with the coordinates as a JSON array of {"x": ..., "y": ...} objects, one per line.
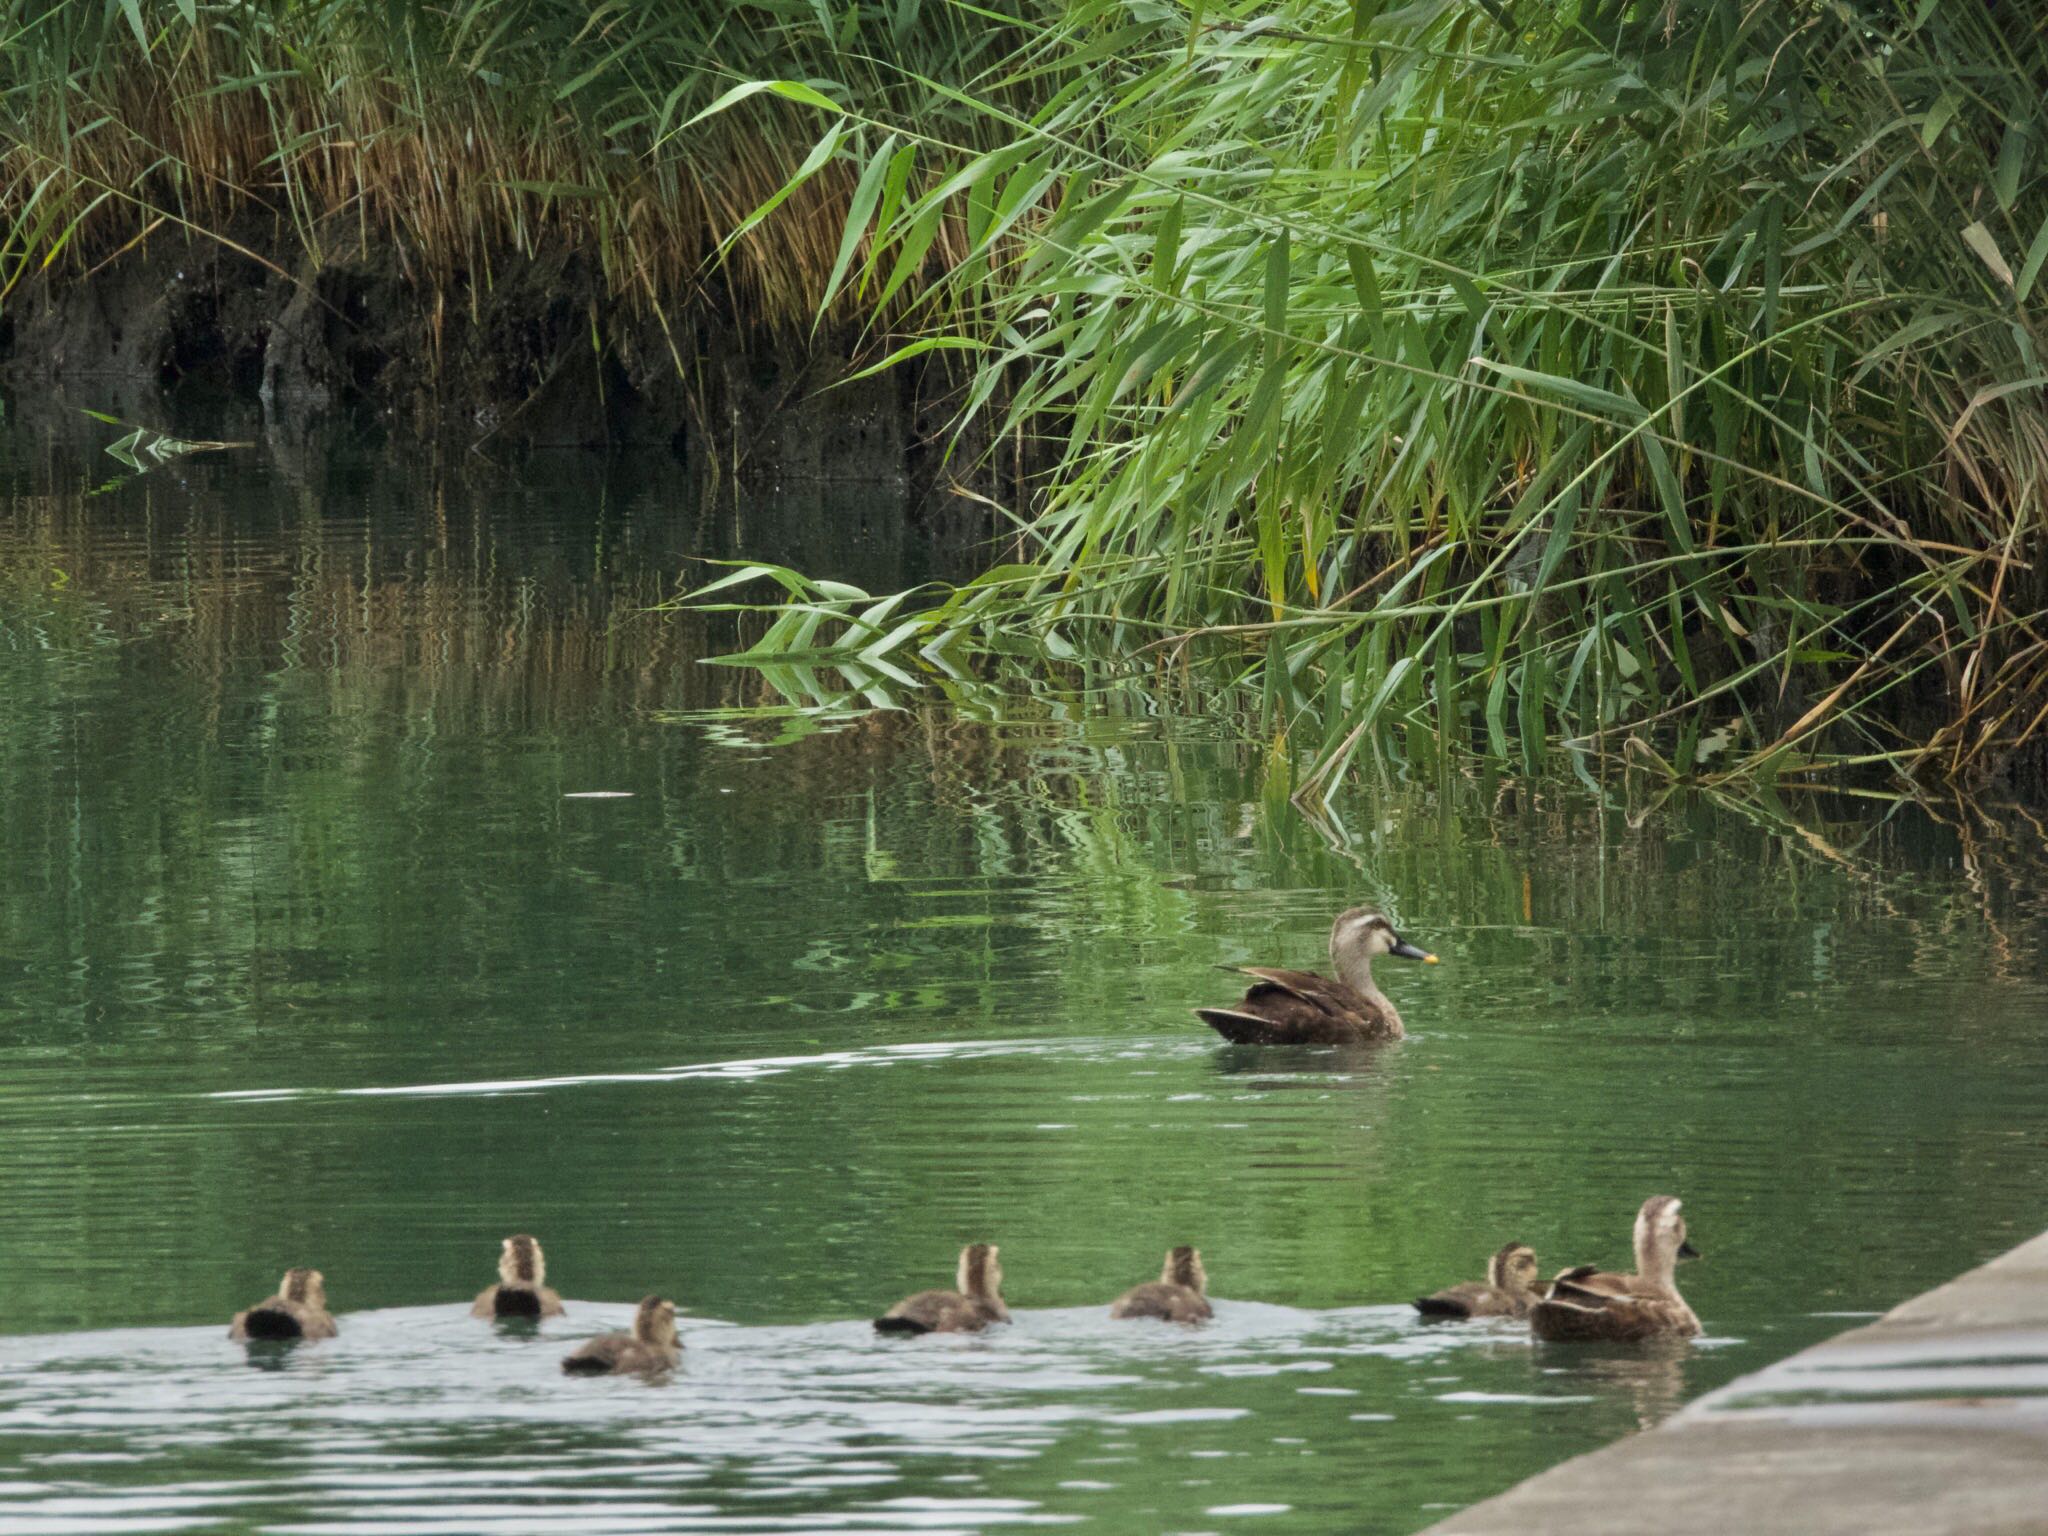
[
  {"x": 463, "y": 137},
  {"x": 1654, "y": 380},
  {"x": 1662, "y": 380}
]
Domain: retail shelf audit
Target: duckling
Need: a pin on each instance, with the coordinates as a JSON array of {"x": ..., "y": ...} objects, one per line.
[
  {"x": 519, "y": 1291},
  {"x": 1588, "y": 1303},
  {"x": 1302, "y": 1008},
  {"x": 1179, "y": 1295},
  {"x": 1509, "y": 1289},
  {"x": 970, "y": 1309},
  {"x": 651, "y": 1346},
  {"x": 297, "y": 1311}
]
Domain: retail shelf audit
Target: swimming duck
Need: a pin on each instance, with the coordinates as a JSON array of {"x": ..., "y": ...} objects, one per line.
[
  {"x": 970, "y": 1309},
  {"x": 1509, "y": 1289},
  {"x": 1589, "y": 1303},
  {"x": 650, "y": 1347},
  {"x": 297, "y": 1311},
  {"x": 1302, "y": 1008},
  {"x": 1179, "y": 1295},
  {"x": 519, "y": 1291}
]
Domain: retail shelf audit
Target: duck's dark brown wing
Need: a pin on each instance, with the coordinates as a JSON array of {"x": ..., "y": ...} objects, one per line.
[
  {"x": 1297, "y": 1008},
  {"x": 1590, "y": 1284}
]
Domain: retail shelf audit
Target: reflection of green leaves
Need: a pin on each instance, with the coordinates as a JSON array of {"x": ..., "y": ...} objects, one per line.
[
  {"x": 869, "y": 641},
  {"x": 144, "y": 448}
]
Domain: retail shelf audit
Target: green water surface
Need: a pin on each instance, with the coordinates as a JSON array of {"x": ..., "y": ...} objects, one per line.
[{"x": 311, "y": 951}]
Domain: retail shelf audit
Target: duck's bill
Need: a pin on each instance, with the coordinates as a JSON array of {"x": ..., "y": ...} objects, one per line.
[
  {"x": 1687, "y": 1251},
  {"x": 1409, "y": 951}
]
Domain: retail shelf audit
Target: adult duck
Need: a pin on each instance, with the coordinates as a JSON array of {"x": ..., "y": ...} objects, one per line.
[
  {"x": 1509, "y": 1289},
  {"x": 297, "y": 1311},
  {"x": 1590, "y": 1303},
  {"x": 976, "y": 1304},
  {"x": 522, "y": 1268},
  {"x": 1179, "y": 1295},
  {"x": 1302, "y": 1008}
]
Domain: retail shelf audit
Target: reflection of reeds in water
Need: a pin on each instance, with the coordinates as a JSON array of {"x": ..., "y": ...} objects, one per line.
[
  {"x": 447, "y": 615},
  {"x": 452, "y": 606}
]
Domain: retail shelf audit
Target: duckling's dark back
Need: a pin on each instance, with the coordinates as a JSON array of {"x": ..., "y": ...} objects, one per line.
[
  {"x": 516, "y": 1301},
  {"x": 1167, "y": 1302},
  {"x": 271, "y": 1323}
]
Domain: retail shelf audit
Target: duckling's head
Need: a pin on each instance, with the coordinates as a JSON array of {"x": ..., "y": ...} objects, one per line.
[
  {"x": 1184, "y": 1267},
  {"x": 522, "y": 1262},
  {"x": 304, "y": 1285},
  {"x": 980, "y": 1274},
  {"x": 655, "y": 1322},
  {"x": 1513, "y": 1268},
  {"x": 1660, "y": 1235},
  {"x": 1361, "y": 933}
]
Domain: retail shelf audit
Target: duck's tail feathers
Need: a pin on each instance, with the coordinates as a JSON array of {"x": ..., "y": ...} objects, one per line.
[
  {"x": 1237, "y": 1028},
  {"x": 900, "y": 1325},
  {"x": 1441, "y": 1306},
  {"x": 517, "y": 1301},
  {"x": 271, "y": 1323}
]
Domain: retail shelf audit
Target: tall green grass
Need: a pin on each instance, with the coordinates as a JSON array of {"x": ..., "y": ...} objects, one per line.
[
  {"x": 463, "y": 135},
  {"x": 1659, "y": 381}
]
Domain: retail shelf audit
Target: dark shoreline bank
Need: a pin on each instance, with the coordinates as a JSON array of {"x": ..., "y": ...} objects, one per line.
[{"x": 539, "y": 355}]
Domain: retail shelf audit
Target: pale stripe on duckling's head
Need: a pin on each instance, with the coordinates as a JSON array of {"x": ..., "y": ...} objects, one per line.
[
  {"x": 522, "y": 1262},
  {"x": 980, "y": 1274},
  {"x": 1513, "y": 1268}
]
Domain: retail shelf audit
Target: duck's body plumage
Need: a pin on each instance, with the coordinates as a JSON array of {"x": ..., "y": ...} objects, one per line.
[
  {"x": 297, "y": 1311},
  {"x": 1179, "y": 1295},
  {"x": 1588, "y": 1303},
  {"x": 1283, "y": 1007},
  {"x": 519, "y": 1291},
  {"x": 974, "y": 1306},
  {"x": 940, "y": 1312},
  {"x": 652, "y": 1345},
  {"x": 1302, "y": 1008},
  {"x": 1509, "y": 1289}
]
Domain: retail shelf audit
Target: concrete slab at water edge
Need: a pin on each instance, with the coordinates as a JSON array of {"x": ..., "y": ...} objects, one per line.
[{"x": 1931, "y": 1421}]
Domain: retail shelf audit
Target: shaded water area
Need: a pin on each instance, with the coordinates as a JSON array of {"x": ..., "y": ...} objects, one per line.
[{"x": 308, "y": 954}]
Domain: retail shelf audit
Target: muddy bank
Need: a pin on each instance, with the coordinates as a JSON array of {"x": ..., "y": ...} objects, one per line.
[{"x": 539, "y": 355}]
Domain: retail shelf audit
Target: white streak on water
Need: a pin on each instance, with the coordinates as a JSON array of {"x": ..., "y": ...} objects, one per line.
[{"x": 744, "y": 1068}]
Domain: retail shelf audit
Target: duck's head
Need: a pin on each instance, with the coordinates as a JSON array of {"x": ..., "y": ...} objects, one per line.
[
  {"x": 980, "y": 1274},
  {"x": 1660, "y": 1235},
  {"x": 1361, "y": 934},
  {"x": 521, "y": 1262},
  {"x": 1184, "y": 1267},
  {"x": 655, "y": 1322},
  {"x": 308, "y": 1286},
  {"x": 1513, "y": 1268}
]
